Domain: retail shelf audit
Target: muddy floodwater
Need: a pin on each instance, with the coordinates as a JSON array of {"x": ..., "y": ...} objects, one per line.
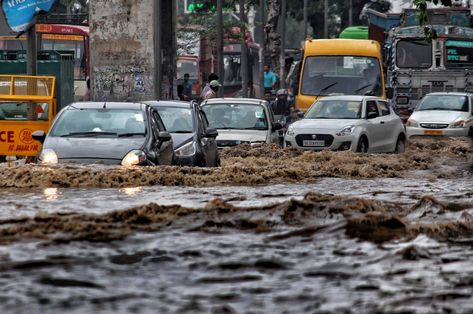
[{"x": 271, "y": 231}]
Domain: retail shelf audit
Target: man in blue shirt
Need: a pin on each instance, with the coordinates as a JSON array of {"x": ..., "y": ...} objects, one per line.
[
  {"x": 269, "y": 78},
  {"x": 187, "y": 91}
]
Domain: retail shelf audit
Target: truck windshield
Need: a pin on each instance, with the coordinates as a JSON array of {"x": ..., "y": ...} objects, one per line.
[
  {"x": 414, "y": 54},
  {"x": 352, "y": 75}
]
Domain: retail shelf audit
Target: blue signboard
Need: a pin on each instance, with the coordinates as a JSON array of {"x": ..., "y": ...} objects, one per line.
[{"x": 20, "y": 13}]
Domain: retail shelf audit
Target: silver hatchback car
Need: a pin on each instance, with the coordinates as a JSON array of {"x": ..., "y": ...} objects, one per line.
[{"x": 356, "y": 123}]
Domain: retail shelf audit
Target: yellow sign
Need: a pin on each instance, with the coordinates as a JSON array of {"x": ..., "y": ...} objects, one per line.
[{"x": 433, "y": 132}]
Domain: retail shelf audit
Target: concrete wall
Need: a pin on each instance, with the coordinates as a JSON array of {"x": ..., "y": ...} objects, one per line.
[{"x": 121, "y": 50}]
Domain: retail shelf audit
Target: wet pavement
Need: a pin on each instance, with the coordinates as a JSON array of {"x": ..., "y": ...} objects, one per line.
[{"x": 327, "y": 241}]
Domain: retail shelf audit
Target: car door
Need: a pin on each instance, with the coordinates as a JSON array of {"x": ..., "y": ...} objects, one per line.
[
  {"x": 273, "y": 136},
  {"x": 163, "y": 149},
  {"x": 209, "y": 144},
  {"x": 374, "y": 126},
  {"x": 391, "y": 126}
]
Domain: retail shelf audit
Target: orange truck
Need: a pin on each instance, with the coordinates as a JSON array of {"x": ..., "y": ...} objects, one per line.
[{"x": 27, "y": 104}]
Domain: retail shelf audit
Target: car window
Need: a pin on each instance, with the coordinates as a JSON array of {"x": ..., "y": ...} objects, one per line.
[
  {"x": 177, "y": 119},
  {"x": 334, "y": 109},
  {"x": 117, "y": 121},
  {"x": 236, "y": 116},
  {"x": 383, "y": 106},
  {"x": 444, "y": 102},
  {"x": 371, "y": 108}
]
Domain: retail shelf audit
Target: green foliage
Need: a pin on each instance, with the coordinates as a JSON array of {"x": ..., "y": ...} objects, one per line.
[{"x": 423, "y": 17}]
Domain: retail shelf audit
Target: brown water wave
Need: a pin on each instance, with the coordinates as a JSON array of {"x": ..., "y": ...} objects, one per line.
[
  {"x": 371, "y": 220},
  {"x": 245, "y": 165}
]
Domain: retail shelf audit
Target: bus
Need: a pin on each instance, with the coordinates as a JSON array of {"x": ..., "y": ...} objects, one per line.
[
  {"x": 339, "y": 67},
  {"x": 60, "y": 37}
]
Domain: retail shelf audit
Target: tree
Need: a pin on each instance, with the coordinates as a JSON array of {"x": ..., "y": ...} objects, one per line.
[{"x": 423, "y": 18}]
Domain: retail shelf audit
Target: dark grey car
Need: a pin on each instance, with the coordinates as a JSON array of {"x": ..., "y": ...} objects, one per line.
[
  {"x": 194, "y": 142},
  {"x": 107, "y": 133}
]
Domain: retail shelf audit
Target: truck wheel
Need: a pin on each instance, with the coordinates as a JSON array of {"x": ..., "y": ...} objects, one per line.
[{"x": 362, "y": 146}]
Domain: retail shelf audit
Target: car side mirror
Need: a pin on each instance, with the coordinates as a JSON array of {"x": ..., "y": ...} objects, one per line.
[
  {"x": 39, "y": 136},
  {"x": 389, "y": 93},
  {"x": 276, "y": 126},
  {"x": 164, "y": 136},
  {"x": 372, "y": 115},
  {"x": 300, "y": 115},
  {"x": 211, "y": 132}
]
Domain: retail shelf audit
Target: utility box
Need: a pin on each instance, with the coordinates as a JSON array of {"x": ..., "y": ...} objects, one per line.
[{"x": 58, "y": 64}]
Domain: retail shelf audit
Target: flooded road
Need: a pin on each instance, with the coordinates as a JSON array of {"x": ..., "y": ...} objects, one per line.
[{"x": 333, "y": 238}]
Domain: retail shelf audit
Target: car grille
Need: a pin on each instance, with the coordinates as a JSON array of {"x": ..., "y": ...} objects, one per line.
[
  {"x": 322, "y": 137},
  {"x": 433, "y": 125}
]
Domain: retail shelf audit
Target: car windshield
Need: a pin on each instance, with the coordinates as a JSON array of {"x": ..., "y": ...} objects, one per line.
[
  {"x": 334, "y": 109},
  {"x": 444, "y": 102},
  {"x": 177, "y": 120},
  {"x": 236, "y": 116},
  {"x": 24, "y": 111},
  {"x": 349, "y": 75},
  {"x": 100, "y": 122}
]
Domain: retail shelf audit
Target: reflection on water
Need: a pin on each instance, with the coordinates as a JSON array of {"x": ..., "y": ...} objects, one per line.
[
  {"x": 132, "y": 191},
  {"x": 51, "y": 193}
]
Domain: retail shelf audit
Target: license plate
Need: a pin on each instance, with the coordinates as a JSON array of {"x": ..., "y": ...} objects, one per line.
[
  {"x": 433, "y": 132},
  {"x": 313, "y": 143}
]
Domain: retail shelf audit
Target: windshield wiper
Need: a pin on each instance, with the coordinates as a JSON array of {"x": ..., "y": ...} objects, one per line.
[
  {"x": 131, "y": 134},
  {"x": 362, "y": 87},
  {"x": 423, "y": 109},
  {"x": 88, "y": 133},
  {"x": 327, "y": 87},
  {"x": 182, "y": 131}
]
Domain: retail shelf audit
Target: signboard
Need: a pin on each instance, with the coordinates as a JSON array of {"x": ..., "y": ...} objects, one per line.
[
  {"x": 20, "y": 13},
  {"x": 459, "y": 53}
]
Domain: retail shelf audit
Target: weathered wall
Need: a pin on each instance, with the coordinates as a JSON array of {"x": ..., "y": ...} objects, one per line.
[{"x": 121, "y": 49}]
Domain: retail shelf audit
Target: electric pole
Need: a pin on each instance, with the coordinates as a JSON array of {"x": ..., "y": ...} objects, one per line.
[
  {"x": 282, "y": 59},
  {"x": 325, "y": 18},
  {"x": 305, "y": 19},
  {"x": 262, "y": 50},
  {"x": 158, "y": 64}
]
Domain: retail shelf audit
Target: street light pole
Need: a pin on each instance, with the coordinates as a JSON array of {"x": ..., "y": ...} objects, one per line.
[
  {"x": 243, "y": 55},
  {"x": 350, "y": 14},
  {"x": 220, "y": 68}
]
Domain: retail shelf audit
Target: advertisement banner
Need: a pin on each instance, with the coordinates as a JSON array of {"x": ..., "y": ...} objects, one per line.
[{"x": 20, "y": 13}]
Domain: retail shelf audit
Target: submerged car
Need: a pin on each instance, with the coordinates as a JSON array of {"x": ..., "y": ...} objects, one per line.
[
  {"x": 356, "y": 123},
  {"x": 194, "y": 141},
  {"x": 241, "y": 120},
  {"x": 448, "y": 114},
  {"x": 106, "y": 133}
]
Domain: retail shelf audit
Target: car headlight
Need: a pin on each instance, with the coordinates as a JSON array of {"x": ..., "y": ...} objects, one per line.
[
  {"x": 48, "y": 156},
  {"x": 133, "y": 158},
  {"x": 412, "y": 122},
  {"x": 186, "y": 150},
  {"x": 290, "y": 130},
  {"x": 346, "y": 130},
  {"x": 458, "y": 124},
  {"x": 256, "y": 143}
]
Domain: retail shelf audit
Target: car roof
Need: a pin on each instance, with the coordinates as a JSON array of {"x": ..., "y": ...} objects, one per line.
[
  {"x": 349, "y": 97},
  {"x": 449, "y": 94},
  {"x": 107, "y": 105},
  {"x": 169, "y": 103},
  {"x": 255, "y": 101}
]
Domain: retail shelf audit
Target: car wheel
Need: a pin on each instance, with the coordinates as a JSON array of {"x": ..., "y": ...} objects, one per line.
[
  {"x": 362, "y": 146},
  {"x": 400, "y": 145}
]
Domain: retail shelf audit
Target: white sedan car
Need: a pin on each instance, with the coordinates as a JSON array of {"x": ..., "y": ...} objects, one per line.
[
  {"x": 449, "y": 114},
  {"x": 357, "y": 123}
]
